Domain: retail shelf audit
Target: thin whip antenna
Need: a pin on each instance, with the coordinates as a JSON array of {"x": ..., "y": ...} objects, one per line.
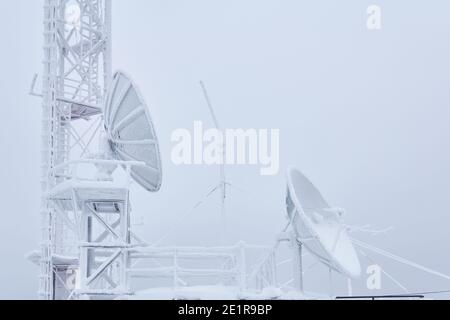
[
  {"x": 223, "y": 183},
  {"x": 210, "y": 106}
]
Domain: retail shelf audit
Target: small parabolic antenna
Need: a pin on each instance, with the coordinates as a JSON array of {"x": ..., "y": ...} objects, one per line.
[
  {"x": 130, "y": 132},
  {"x": 318, "y": 227}
]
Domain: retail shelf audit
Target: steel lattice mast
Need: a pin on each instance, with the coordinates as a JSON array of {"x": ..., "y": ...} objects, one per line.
[{"x": 77, "y": 69}]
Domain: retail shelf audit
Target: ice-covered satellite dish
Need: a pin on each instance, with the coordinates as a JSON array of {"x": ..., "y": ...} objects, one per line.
[
  {"x": 131, "y": 133},
  {"x": 319, "y": 227}
]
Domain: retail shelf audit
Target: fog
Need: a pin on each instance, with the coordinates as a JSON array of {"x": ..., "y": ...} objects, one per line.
[{"x": 363, "y": 113}]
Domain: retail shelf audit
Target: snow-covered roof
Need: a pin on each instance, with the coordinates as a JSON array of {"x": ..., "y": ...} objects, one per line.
[
  {"x": 88, "y": 189},
  {"x": 35, "y": 258}
]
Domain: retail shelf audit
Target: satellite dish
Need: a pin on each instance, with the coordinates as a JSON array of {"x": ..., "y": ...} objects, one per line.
[
  {"x": 319, "y": 227},
  {"x": 130, "y": 132}
]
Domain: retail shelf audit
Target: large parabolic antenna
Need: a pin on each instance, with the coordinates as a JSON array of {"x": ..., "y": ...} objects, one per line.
[
  {"x": 319, "y": 227},
  {"x": 131, "y": 133}
]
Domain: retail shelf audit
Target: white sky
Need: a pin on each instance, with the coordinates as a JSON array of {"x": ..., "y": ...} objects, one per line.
[{"x": 363, "y": 114}]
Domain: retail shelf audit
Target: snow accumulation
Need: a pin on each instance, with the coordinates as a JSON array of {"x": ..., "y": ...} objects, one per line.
[
  {"x": 213, "y": 293},
  {"x": 35, "y": 258}
]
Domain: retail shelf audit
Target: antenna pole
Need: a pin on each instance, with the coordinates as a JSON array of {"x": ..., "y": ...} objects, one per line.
[
  {"x": 297, "y": 248},
  {"x": 210, "y": 106},
  {"x": 300, "y": 249},
  {"x": 331, "y": 283},
  {"x": 223, "y": 183},
  {"x": 350, "y": 287}
]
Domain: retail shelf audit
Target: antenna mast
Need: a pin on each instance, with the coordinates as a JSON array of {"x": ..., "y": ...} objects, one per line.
[
  {"x": 76, "y": 72},
  {"x": 223, "y": 182}
]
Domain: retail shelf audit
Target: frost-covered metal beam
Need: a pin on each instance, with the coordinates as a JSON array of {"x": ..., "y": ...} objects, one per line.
[{"x": 76, "y": 74}]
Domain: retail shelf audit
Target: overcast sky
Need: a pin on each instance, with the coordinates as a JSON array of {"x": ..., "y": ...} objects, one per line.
[{"x": 363, "y": 113}]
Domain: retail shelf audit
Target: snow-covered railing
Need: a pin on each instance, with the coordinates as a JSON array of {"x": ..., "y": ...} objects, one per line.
[
  {"x": 265, "y": 274},
  {"x": 232, "y": 260}
]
